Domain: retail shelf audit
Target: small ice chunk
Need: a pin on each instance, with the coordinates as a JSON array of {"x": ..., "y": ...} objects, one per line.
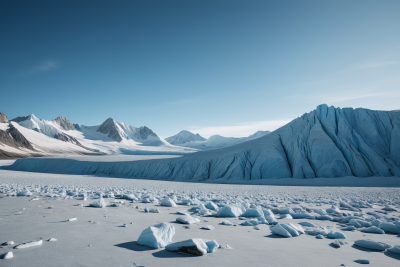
[
  {"x": 204, "y": 212},
  {"x": 52, "y": 240},
  {"x": 130, "y": 197},
  {"x": 319, "y": 236},
  {"x": 8, "y": 243},
  {"x": 182, "y": 213},
  {"x": 320, "y": 211},
  {"x": 336, "y": 235},
  {"x": 251, "y": 222},
  {"x": 348, "y": 228},
  {"x": 355, "y": 223},
  {"x": 299, "y": 215},
  {"x": 285, "y": 211},
  {"x": 395, "y": 249},
  {"x": 297, "y": 227},
  {"x": 227, "y": 222},
  {"x": 157, "y": 236},
  {"x": 8, "y": 255},
  {"x": 253, "y": 213},
  {"x": 373, "y": 230},
  {"x": 212, "y": 206},
  {"x": 225, "y": 247},
  {"x": 389, "y": 228},
  {"x": 336, "y": 244},
  {"x": 154, "y": 211},
  {"x": 371, "y": 244},
  {"x": 212, "y": 246},
  {"x": 268, "y": 212},
  {"x": 72, "y": 219},
  {"x": 324, "y": 218},
  {"x": 290, "y": 229},
  {"x": 194, "y": 246},
  {"x": 208, "y": 227},
  {"x": 29, "y": 244},
  {"x": 362, "y": 261},
  {"x": 99, "y": 203},
  {"x": 187, "y": 219},
  {"x": 167, "y": 202},
  {"x": 230, "y": 211},
  {"x": 286, "y": 216},
  {"x": 307, "y": 224},
  {"x": 271, "y": 220},
  {"x": 279, "y": 230}
]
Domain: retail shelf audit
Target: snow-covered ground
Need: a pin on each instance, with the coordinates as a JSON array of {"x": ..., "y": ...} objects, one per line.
[{"x": 108, "y": 236}]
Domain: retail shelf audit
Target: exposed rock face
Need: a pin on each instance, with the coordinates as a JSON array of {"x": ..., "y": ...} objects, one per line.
[
  {"x": 19, "y": 139},
  {"x": 3, "y": 118},
  {"x": 67, "y": 138},
  {"x": 109, "y": 128},
  {"x": 184, "y": 137},
  {"x": 64, "y": 123},
  {"x": 13, "y": 138},
  {"x": 119, "y": 131}
]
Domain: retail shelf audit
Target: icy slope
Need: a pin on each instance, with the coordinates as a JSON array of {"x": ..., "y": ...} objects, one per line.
[
  {"x": 184, "y": 137},
  {"x": 327, "y": 142},
  {"x": 47, "y": 146},
  {"x": 12, "y": 143},
  {"x": 41, "y": 126}
]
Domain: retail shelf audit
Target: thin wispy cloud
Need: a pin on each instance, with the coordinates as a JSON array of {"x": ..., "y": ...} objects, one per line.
[
  {"x": 240, "y": 129},
  {"x": 44, "y": 66},
  {"x": 374, "y": 65}
]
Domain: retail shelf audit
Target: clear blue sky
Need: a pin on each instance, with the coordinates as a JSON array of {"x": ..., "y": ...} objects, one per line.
[{"x": 218, "y": 67}]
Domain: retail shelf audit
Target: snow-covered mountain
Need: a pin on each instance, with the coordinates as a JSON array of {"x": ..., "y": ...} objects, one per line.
[
  {"x": 110, "y": 137},
  {"x": 42, "y": 126},
  {"x": 3, "y": 118},
  {"x": 184, "y": 137},
  {"x": 12, "y": 143},
  {"x": 218, "y": 141},
  {"x": 19, "y": 142},
  {"x": 119, "y": 131},
  {"x": 327, "y": 142},
  {"x": 63, "y": 123}
]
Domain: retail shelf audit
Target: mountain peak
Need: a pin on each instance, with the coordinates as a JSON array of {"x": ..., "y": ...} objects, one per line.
[
  {"x": 21, "y": 118},
  {"x": 183, "y": 137},
  {"x": 64, "y": 123},
  {"x": 119, "y": 131},
  {"x": 3, "y": 118}
]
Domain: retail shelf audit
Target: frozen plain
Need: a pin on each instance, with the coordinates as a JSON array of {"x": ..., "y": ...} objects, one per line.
[{"x": 96, "y": 238}]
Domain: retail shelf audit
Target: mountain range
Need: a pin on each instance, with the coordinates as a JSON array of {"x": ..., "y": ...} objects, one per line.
[
  {"x": 34, "y": 137},
  {"x": 327, "y": 142}
]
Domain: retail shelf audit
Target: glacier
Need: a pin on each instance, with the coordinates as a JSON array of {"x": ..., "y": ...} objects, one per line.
[{"x": 328, "y": 142}]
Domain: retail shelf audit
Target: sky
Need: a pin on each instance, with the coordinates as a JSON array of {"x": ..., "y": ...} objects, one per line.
[{"x": 223, "y": 67}]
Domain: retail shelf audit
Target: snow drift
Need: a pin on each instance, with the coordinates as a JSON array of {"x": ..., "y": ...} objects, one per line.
[{"x": 327, "y": 142}]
